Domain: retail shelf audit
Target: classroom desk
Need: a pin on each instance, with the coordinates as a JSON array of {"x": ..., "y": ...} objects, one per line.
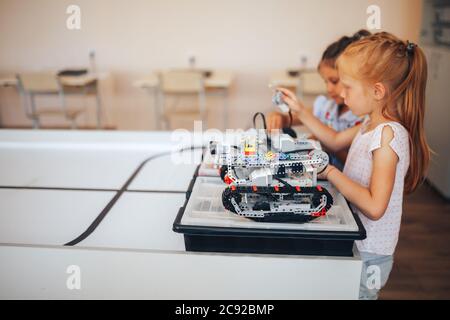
[
  {"x": 53, "y": 185},
  {"x": 8, "y": 82},
  {"x": 218, "y": 82},
  {"x": 82, "y": 84}
]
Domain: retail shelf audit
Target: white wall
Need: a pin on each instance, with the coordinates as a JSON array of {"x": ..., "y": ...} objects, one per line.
[{"x": 133, "y": 37}]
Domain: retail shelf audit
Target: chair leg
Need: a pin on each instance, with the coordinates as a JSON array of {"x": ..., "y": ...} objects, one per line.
[
  {"x": 35, "y": 118},
  {"x": 167, "y": 125},
  {"x": 36, "y": 124},
  {"x": 202, "y": 104},
  {"x": 73, "y": 124}
]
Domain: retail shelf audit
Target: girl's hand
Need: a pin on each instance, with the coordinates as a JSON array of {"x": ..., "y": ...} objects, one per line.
[
  {"x": 275, "y": 120},
  {"x": 291, "y": 100},
  {"x": 324, "y": 174}
]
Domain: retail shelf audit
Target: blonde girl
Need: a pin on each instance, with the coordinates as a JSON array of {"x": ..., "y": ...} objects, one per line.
[{"x": 383, "y": 78}]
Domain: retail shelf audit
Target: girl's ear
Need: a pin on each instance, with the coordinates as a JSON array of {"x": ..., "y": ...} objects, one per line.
[{"x": 379, "y": 91}]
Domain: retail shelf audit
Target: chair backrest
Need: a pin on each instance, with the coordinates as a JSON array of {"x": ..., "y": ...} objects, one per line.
[
  {"x": 181, "y": 81},
  {"x": 39, "y": 82}
]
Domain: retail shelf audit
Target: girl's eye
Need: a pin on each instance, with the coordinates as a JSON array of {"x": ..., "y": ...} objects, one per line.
[{"x": 334, "y": 81}]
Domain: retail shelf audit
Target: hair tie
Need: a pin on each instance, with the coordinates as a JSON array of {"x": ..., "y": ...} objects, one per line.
[{"x": 410, "y": 47}]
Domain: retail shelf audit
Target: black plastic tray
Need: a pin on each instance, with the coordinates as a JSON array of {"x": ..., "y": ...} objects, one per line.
[{"x": 268, "y": 241}]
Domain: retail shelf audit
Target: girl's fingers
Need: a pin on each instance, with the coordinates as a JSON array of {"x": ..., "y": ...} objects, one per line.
[
  {"x": 277, "y": 123},
  {"x": 293, "y": 104},
  {"x": 269, "y": 122},
  {"x": 288, "y": 93},
  {"x": 273, "y": 123}
]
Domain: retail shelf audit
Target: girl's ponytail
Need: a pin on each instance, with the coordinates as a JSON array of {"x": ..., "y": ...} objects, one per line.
[{"x": 412, "y": 112}]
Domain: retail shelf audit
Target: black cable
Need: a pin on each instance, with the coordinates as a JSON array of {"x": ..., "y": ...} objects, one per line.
[
  {"x": 283, "y": 182},
  {"x": 288, "y": 130},
  {"x": 290, "y": 119},
  {"x": 269, "y": 142},
  {"x": 116, "y": 197},
  {"x": 263, "y": 118}
]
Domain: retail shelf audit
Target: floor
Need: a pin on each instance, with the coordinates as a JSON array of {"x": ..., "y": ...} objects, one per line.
[{"x": 422, "y": 259}]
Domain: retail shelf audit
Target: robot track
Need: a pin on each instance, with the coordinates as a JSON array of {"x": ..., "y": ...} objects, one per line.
[{"x": 277, "y": 204}]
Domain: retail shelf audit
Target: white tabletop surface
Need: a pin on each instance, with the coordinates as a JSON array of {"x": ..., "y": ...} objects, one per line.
[
  {"x": 140, "y": 221},
  {"x": 67, "y": 168},
  {"x": 161, "y": 175},
  {"x": 39, "y": 169},
  {"x": 47, "y": 217},
  {"x": 133, "y": 252}
]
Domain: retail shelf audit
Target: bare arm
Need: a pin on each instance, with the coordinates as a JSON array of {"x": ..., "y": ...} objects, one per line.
[
  {"x": 333, "y": 140},
  {"x": 372, "y": 201}
]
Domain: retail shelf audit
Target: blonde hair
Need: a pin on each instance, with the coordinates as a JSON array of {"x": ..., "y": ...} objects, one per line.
[{"x": 401, "y": 66}]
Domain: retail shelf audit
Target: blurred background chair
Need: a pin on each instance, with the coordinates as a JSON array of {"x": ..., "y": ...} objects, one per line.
[
  {"x": 177, "y": 88},
  {"x": 36, "y": 84},
  {"x": 310, "y": 84}
]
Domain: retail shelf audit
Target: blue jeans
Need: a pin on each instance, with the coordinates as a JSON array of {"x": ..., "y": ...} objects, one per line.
[{"x": 375, "y": 273}]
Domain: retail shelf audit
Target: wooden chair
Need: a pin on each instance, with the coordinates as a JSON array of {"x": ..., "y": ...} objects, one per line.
[{"x": 44, "y": 83}]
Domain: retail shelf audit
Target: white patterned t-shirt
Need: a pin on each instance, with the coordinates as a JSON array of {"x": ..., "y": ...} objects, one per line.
[
  {"x": 382, "y": 235},
  {"x": 327, "y": 111}
]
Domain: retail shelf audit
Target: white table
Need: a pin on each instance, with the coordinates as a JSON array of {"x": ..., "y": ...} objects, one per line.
[
  {"x": 218, "y": 82},
  {"x": 53, "y": 184}
]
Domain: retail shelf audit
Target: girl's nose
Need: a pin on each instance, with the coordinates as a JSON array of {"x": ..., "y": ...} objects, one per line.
[
  {"x": 342, "y": 94},
  {"x": 330, "y": 88}
]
